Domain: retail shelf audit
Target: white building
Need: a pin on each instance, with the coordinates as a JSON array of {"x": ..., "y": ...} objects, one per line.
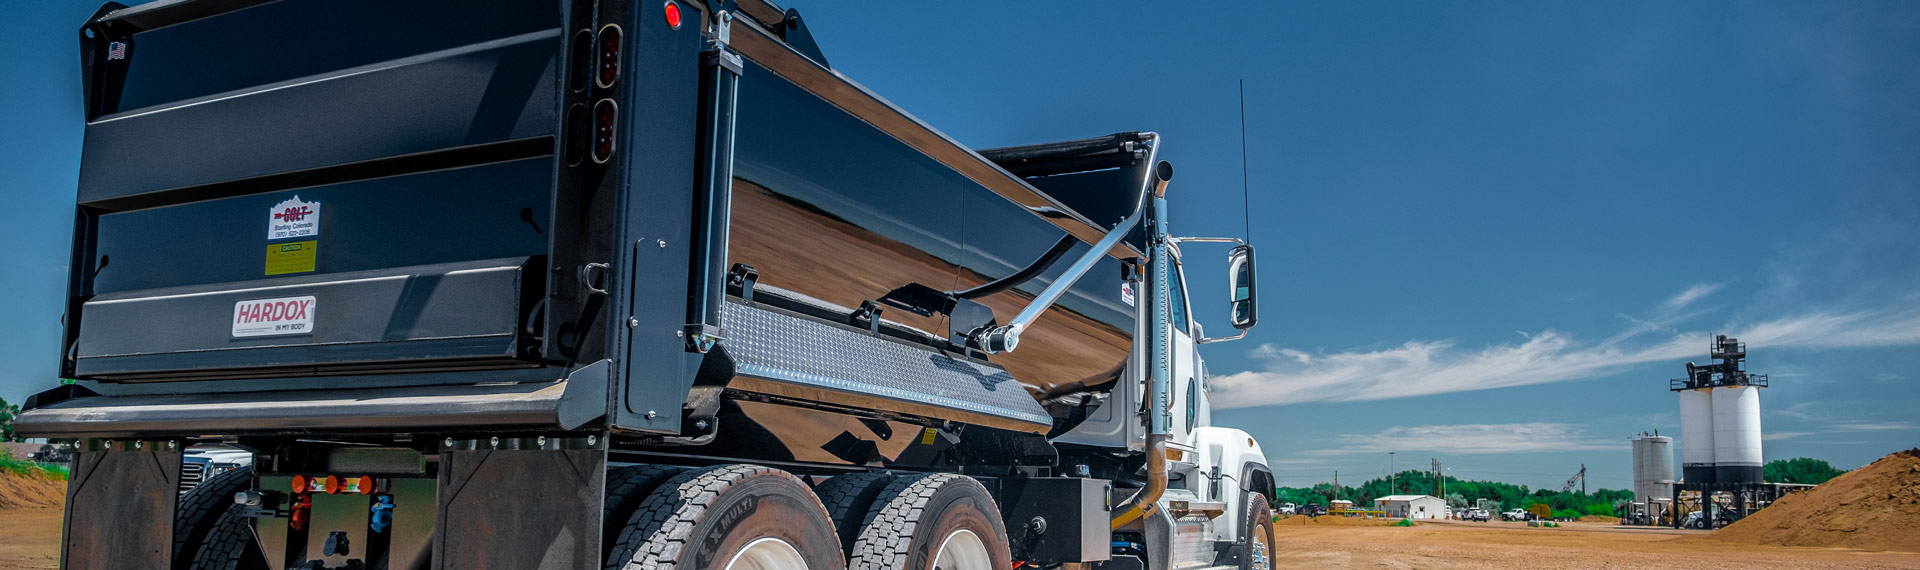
[{"x": 1412, "y": 506}]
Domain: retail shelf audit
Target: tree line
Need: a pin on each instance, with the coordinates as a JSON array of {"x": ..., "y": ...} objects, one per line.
[{"x": 1461, "y": 494}]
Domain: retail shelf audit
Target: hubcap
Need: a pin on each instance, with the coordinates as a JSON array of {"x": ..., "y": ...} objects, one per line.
[
  {"x": 962, "y": 550},
  {"x": 767, "y": 554}
]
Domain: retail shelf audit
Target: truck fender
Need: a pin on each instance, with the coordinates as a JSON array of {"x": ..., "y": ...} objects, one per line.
[
  {"x": 1237, "y": 455},
  {"x": 1256, "y": 477}
]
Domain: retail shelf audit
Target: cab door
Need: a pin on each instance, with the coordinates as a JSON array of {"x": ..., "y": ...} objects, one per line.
[
  {"x": 1185, "y": 364},
  {"x": 1187, "y": 406}
]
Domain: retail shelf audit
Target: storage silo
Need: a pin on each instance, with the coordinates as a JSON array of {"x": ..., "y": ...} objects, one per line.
[
  {"x": 1697, "y": 447},
  {"x": 1736, "y": 434},
  {"x": 1652, "y": 468}
]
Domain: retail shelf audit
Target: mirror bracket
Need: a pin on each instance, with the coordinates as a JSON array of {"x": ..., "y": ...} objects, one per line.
[{"x": 1208, "y": 340}]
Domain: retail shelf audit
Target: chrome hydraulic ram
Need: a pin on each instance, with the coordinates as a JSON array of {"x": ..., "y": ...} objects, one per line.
[{"x": 1006, "y": 338}]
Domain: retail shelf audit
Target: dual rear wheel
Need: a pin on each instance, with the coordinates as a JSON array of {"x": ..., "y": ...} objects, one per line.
[{"x": 744, "y": 517}]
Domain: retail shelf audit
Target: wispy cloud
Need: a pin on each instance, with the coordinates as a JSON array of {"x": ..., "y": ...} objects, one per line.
[
  {"x": 1690, "y": 295},
  {"x": 1874, "y": 426},
  {"x": 1419, "y": 368},
  {"x": 1780, "y": 435},
  {"x": 1471, "y": 439},
  {"x": 1799, "y": 411}
]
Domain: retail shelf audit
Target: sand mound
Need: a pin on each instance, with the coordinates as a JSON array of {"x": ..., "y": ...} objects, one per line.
[
  {"x": 1604, "y": 519},
  {"x": 1331, "y": 521},
  {"x": 1876, "y": 507},
  {"x": 30, "y": 491},
  {"x": 28, "y": 488}
]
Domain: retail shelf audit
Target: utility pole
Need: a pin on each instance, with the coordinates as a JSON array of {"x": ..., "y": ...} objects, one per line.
[
  {"x": 1393, "y": 478},
  {"x": 1439, "y": 484}
]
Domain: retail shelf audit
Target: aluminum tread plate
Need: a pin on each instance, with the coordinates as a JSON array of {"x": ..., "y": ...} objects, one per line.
[{"x": 784, "y": 348}]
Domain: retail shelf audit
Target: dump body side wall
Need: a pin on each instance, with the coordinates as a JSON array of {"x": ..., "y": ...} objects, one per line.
[{"x": 834, "y": 209}]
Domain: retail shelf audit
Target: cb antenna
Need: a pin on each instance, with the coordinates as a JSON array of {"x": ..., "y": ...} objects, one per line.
[{"x": 1246, "y": 200}]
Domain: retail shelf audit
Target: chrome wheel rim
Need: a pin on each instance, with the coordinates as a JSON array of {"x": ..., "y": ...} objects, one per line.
[
  {"x": 962, "y": 550},
  {"x": 1257, "y": 553},
  {"x": 767, "y": 554}
]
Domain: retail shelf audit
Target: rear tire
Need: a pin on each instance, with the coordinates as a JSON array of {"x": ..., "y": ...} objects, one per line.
[
  {"x": 231, "y": 545},
  {"x": 730, "y": 517},
  {"x": 849, "y": 501},
  {"x": 923, "y": 522},
  {"x": 626, "y": 487},
  {"x": 205, "y": 532}
]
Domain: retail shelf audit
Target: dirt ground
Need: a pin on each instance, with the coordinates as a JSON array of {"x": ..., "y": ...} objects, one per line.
[
  {"x": 17, "y": 492},
  {"x": 30, "y": 538},
  {"x": 1454, "y": 544}
]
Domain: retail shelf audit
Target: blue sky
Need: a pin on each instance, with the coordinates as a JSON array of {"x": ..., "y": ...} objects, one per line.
[{"x": 1489, "y": 231}]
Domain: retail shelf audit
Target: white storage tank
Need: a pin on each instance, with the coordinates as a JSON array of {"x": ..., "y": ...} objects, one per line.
[
  {"x": 1736, "y": 434},
  {"x": 1652, "y": 468},
  {"x": 1697, "y": 435}
]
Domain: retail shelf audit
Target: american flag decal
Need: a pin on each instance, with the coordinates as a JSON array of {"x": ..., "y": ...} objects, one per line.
[{"x": 116, "y": 50}]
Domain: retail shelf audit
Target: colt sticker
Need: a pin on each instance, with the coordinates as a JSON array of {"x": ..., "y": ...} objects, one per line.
[
  {"x": 269, "y": 317},
  {"x": 292, "y": 218}
]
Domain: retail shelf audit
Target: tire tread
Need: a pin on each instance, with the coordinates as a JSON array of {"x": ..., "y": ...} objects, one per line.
[
  {"x": 886, "y": 540},
  {"x": 200, "y": 511},
  {"x": 661, "y": 528},
  {"x": 849, "y": 500}
]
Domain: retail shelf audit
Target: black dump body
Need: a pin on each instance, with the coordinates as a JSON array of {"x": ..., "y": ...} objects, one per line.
[{"x": 366, "y": 217}]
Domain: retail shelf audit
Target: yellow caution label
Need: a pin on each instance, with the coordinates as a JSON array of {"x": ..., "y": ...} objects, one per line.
[
  {"x": 292, "y": 257},
  {"x": 927, "y": 438}
]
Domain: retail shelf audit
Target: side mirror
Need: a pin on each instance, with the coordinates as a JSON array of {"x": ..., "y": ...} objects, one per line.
[{"x": 1246, "y": 308}]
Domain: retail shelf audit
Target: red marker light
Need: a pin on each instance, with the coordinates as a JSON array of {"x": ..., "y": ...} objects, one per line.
[
  {"x": 604, "y": 115},
  {"x": 302, "y": 510},
  {"x": 609, "y": 67},
  {"x": 300, "y": 484},
  {"x": 673, "y": 14},
  {"x": 366, "y": 485},
  {"x": 333, "y": 485}
]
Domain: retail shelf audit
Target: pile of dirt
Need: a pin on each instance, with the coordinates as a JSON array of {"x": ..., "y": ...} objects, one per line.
[
  {"x": 27, "y": 491},
  {"x": 1876, "y": 507},
  {"x": 1602, "y": 519},
  {"x": 1330, "y": 521}
]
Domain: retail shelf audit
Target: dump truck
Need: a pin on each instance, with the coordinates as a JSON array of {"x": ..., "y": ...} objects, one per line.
[{"x": 607, "y": 284}]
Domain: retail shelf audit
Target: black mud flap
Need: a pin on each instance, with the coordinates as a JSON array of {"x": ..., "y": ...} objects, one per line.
[
  {"x": 514, "y": 509},
  {"x": 120, "y": 505}
]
